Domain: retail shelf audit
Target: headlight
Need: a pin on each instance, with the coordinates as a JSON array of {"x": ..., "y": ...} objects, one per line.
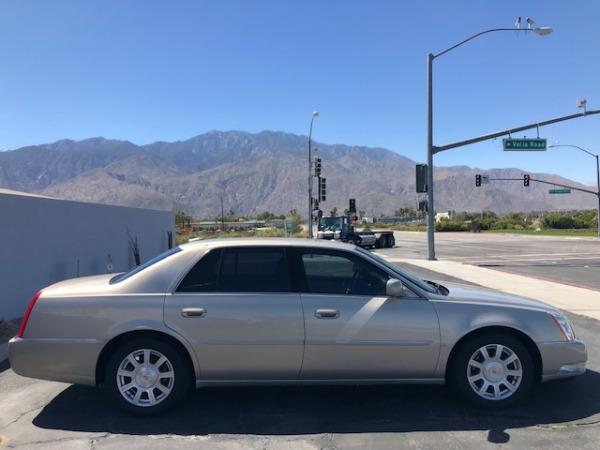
[{"x": 563, "y": 325}]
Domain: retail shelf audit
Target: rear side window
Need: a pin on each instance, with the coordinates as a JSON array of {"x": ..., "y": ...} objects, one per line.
[
  {"x": 144, "y": 266},
  {"x": 204, "y": 276},
  {"x": 255, "y": 269}
]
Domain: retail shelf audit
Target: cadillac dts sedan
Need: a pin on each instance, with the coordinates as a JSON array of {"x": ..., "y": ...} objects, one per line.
[{"x": 287, "y": 311}]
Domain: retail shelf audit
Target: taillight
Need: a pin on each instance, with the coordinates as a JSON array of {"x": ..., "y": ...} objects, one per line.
[{"x": 28, "y": 313}]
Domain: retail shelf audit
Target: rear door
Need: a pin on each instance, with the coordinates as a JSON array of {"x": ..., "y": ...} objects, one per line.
[{"x": 237, "y": 309}]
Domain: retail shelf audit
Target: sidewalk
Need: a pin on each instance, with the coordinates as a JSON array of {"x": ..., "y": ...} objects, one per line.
[{"x": 568, "y": 298}]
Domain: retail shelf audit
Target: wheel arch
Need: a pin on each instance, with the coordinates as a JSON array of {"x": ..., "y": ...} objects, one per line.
[
  {"x": 117, "y": 341},
  {"x": 529, "y": 344}
]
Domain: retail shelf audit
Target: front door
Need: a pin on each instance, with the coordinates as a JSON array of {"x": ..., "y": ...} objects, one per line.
[{"x": 354, "y": 331}]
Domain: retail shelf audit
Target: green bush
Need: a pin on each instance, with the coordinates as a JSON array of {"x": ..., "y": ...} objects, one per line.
[
  {"x": 559, "y": 222},
  {"x": 450, "y": 226}
]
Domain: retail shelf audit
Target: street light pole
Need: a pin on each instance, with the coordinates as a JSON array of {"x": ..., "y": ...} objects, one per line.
[
  {"x": 431, "y": 149},
  {"x": 597, "y": 174},
  {"x": 310, "y": 177}
]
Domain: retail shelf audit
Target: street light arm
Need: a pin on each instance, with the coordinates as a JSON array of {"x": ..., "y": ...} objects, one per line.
[
  {"x": 541, "y": 31},
  {"x": 574, "y": 146}
]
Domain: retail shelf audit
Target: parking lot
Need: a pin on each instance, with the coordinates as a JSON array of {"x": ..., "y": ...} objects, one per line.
[{"x": 39, "y": 414}]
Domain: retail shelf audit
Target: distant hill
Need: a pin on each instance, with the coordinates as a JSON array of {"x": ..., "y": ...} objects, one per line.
[{"x": 253, "y": 173}]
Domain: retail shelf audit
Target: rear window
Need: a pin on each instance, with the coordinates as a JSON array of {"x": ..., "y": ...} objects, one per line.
[{"x": 147, "y": 264}]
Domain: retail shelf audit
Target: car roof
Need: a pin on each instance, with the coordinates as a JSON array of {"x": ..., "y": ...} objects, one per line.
[{"x": 268, "y": 242}]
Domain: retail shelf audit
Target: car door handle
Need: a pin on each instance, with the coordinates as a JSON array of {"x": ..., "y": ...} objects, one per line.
[
  {"x": 193, "y": 312},
  {"x": 327, "y": 314}
]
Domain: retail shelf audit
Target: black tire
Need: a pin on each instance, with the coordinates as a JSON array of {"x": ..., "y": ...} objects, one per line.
[
  {"x": 146, "y": 376},
  {"x": 493, "y": 371},
  {"x": 353, "y": 241},
  {"x": 386, "y": 242}
]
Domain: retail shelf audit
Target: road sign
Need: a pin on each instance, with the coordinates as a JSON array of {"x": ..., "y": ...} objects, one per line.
[
  {"x": 559, "y": 191},
  {"x": 524, "y": 144},
  {"x": 485, "y": 179}
]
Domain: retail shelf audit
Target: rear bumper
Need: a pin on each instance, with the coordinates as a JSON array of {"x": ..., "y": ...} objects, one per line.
[{"x": 68, "y": 361}]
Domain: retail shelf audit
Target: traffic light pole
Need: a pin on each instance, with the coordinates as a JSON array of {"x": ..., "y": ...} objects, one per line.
[
  {"x": 545, "y": 182},
  {"x": 310, "y": 177},
  {"x": 509, "y": 131}
]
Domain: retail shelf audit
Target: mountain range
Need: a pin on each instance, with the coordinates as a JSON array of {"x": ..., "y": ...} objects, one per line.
[{"x": 267, "y": 171}]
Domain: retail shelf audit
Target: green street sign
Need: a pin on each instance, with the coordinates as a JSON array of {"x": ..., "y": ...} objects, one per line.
[
  {"x": 560, "y": 191},
  {"x": 524, "y": 144}
]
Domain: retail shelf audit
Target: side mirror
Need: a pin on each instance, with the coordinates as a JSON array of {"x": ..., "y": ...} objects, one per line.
[{"x": 394, "y": 288}]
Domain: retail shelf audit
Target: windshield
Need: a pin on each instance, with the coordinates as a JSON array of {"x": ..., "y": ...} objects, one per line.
[
  {"x": 330, "y": 223},
  {"x": 403, "y": 274},
  {"x": 147, "y": 264}
]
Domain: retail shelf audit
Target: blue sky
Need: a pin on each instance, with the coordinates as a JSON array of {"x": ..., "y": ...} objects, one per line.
[{"x": 154, "y": 70}]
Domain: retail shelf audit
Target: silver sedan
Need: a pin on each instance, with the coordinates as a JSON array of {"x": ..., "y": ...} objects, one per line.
[{"x": 273, "y": 311}]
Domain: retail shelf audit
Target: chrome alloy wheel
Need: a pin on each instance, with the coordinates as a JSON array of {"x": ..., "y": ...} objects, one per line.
[
  {"x": 494, "y": 372},
  {"x": 145, "y": 377}
]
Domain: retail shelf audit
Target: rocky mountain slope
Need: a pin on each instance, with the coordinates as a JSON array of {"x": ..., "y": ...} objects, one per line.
[{"x": 252, "y": 173}]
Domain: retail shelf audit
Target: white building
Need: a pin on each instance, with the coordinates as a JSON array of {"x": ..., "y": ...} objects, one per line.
[{"x": 45, "y": 240}]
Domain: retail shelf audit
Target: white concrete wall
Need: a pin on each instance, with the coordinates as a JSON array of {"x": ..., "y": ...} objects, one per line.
[{"x": 45, "y": 240}]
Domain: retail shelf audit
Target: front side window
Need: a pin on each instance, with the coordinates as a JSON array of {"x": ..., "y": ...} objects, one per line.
[
  {"x": 401, "y": 273},
  {"x": 339, "y": 273}
]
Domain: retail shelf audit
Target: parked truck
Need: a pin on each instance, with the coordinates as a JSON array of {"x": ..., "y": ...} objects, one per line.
[{"x": 342, "y": 229}]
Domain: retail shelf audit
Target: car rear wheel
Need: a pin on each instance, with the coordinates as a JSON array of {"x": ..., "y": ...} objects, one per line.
[
  {"x": 146, "y": 376},
  {"x": 493, "y": 371}
]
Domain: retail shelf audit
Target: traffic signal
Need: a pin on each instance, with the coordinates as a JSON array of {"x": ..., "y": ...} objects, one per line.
[
  {"x": 477, "y": 180},
  {"x": 322, "y": 189},
  {"x": 421, "y": 172},
  {"x": 318, "y": 166},
  {"x": 526, "y": 179},
  {"x": 352, "y": 205}
]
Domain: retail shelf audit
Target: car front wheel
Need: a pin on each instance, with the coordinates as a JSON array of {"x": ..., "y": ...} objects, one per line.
[
  {"x": 146, "y": 376},
  {"x": 493, "y": 371}
]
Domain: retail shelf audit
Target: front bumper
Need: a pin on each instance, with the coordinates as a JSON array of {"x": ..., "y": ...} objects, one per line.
[{"x": 563, "y": 360}]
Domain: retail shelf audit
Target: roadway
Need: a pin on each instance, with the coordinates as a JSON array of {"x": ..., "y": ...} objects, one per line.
[{"x": 574, "y": 261}]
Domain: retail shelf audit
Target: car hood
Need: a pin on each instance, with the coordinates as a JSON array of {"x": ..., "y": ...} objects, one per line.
[{"x": 478, "y": 295}]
